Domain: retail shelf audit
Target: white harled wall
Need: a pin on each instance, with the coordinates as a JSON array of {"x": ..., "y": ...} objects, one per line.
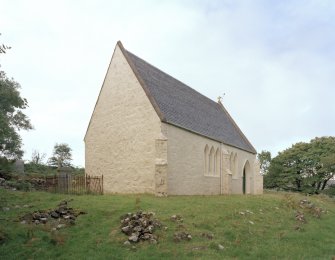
[
  {"x": 186, "y": 173},
  {"x": 120, "y": 141}
]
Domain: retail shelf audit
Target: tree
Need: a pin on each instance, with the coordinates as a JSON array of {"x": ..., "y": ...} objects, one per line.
[
  {"x": 3, "y": 47},
  {"x": 264, "y": 159},
  {"x": 12, "y": 119},
  {"x": 61, "y": 156},
  {"x": 37, "y": 157},
  {"x": 303, "y": 167}
]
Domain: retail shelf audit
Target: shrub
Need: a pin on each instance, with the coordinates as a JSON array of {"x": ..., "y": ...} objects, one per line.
[
  {"x": 20, "y": 185},
  {"x": 330, "y": 191}
]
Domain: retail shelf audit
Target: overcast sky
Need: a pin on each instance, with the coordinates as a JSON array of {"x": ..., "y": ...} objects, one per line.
[{"x": 274, "y": 60}]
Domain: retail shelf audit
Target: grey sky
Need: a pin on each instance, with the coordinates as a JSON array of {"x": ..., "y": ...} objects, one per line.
[{"x": 275, "y": 60}]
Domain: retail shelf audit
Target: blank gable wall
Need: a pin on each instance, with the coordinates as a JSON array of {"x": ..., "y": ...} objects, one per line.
[{"x": 120, "y": 141}]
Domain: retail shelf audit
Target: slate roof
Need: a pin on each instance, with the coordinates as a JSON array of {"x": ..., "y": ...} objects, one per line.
[{"x": 182, "y": 106}]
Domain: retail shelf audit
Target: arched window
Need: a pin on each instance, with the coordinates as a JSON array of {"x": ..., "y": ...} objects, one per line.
[
  {"x": 217, "y": 162},
  {"x": 211, "y": 161},
  {"x": 206, "y": 155}
]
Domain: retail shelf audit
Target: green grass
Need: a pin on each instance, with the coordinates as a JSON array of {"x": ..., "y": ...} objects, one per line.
[{"x": 97, "y": 235}]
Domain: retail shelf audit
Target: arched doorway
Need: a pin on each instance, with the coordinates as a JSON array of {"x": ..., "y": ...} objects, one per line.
[{"x": 246, "y": 179}]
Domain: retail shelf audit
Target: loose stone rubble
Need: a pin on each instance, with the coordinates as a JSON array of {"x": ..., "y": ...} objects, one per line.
[
  {"x": 209, "y": 236},
  {"x": 299, "y": 216},
  {"x": 310, "y": 206},
  {"x": 140, "y": 226},
  {"x": 60, "y": 217},
  {"x": 179, "y": 236},
  {"x": 176, "y": 218}
]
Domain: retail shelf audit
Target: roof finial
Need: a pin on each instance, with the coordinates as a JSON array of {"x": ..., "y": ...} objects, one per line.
[{"x": 220, "y": 98}]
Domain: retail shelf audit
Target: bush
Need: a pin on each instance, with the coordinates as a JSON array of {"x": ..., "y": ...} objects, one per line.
[
  {"x": 20, "y": 185},
  {"x": 5, "y": 168},
  {"x": 41, "y": 169},
  {"x": 330, "y": 191}
]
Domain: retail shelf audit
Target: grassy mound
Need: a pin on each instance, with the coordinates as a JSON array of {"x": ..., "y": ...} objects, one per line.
[{"x": 271, "y": 226}]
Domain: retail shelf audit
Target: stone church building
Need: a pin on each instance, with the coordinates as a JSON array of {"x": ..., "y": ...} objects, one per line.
[{"x": 151, "y": 133}]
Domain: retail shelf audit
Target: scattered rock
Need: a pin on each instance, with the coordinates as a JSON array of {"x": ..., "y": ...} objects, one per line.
[
  {"x": 140, "y": 226},
  {"x": 199, "y": 248},
  {"x": 54, "y": 214},
  {"x": 179, "y": 236},
  {"x": 134, "y": 237},
  {"x": 299, "y": 216},
  {"x": 251, "y": 222},
  {"x": 309, "y": 206},
  {"x": 153, "y": 241},
  {"x": 207, "y": 235},
  {"x": 176, "y": 218},
  {"x": 59, "y": 226},
  {"x": 5, "y": 209},
  {"x": 127, "y": 243},
  {"x": 221, "y": 247}
]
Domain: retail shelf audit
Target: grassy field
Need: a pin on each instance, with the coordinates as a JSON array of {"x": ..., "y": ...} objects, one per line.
[{"x": 248, "y": 227}]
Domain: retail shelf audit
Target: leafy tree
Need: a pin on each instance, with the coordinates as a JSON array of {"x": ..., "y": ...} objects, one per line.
[
  {"x": 3, "y": 47},
  {"x": 264, "y": 159},
  {"x": 37, "y": 157},
  {"x": 12, "y": 119},
  {"x": 61, "y": 157},
  {"x": 303, "y": 167}
]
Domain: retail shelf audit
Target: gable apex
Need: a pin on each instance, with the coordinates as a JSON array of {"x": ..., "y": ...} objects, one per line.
[{"x": 141, "y": 81}]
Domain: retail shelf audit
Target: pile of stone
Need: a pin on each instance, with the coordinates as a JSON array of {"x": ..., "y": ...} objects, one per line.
[
  {"x": 62, "y": 216},
  {"x": 140, "y": 226}
]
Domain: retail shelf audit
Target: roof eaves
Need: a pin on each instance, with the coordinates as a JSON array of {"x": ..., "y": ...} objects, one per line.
[{"x": 253, "y": 151}]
